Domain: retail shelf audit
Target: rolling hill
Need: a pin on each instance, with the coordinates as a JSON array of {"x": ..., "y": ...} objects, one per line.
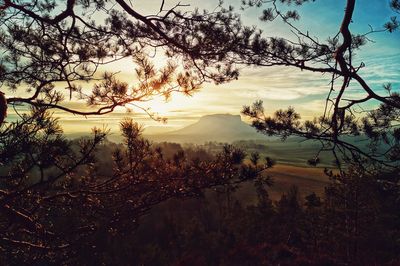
[{"x": 216, "y": 127}]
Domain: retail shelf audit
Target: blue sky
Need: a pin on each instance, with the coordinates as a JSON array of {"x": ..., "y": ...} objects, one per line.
[
  {"x": 281, "y": 87},
  {"x": 278, "y": 87}
]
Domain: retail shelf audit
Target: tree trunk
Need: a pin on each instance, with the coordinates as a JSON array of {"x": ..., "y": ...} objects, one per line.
[{"x": 3, "y": 108}]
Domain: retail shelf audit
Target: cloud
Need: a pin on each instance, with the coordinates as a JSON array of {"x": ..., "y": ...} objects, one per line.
[{"x": 279, "y": 87}]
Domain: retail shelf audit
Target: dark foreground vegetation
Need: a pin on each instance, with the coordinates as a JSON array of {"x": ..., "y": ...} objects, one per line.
[
  {"x": 139, "y": 203},
  {"x": 355, "y": 222}
]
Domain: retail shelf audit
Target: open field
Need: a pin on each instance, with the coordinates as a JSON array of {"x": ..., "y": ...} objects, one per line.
[{"x": 307, "y": 179}]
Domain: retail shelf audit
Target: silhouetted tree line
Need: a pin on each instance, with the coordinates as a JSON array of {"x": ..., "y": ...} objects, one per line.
[{"x": 355, "y": 222}]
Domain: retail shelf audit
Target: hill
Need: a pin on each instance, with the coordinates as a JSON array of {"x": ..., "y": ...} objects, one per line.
[{"x": 216, "y": 127}]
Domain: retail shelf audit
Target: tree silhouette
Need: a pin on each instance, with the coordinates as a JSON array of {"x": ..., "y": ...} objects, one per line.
[
  {"x": 53, "y": 200},
  {"x": 340, "y": 118},
  {"x": 49, "y": 48},
  {"x": 51, "y": 195}
]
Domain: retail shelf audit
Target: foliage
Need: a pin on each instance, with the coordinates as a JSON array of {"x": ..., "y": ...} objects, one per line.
[
  {"x": 54, "y": 50},
  {"x": 342, "y": 123},
  {"x": 355, "y": 222},
  {"x": 59, "y": 205},
  {"x": 53, "y": 198}
]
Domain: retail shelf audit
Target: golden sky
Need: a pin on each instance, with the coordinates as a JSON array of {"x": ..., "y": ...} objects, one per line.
[{"x": 278, "y": 87}]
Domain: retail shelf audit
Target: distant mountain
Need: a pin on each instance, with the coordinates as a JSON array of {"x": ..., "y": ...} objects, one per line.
[{"x": 217, "y": 127}]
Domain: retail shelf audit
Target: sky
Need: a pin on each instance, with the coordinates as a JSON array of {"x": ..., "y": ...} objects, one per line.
[{"x": 278, "y": 87}]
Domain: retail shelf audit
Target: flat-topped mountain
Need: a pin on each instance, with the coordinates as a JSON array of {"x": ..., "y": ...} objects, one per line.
[{"x": 216, "y": 127}]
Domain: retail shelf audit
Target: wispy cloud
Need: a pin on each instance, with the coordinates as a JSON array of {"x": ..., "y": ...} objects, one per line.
[{"x": 278, "y": 87}]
